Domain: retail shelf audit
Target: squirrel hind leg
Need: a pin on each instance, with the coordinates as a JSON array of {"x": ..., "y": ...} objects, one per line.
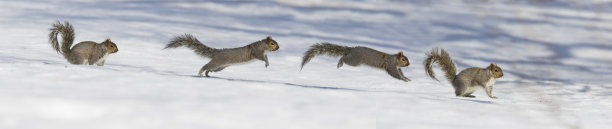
[
  {"x": 464, "y": 92},
  {"x": 218, "y": 69},
  {"x": 206, "y": 73},
  {"x": 210, "y": 67},
  {"x": 75, "y": 58},
  {"x": 461, "y": 89},
  {"x": 469, "y": 96},
  {"x": 214, "y": 70},
  {"x": 350, "y": 60},
  {"x": 200, "y": 74}
]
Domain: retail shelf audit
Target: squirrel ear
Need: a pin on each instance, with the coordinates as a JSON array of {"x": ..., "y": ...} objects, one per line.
[
  {"x": 401, "y": 53},
  {"x": 269, "y": 38},
  {"x": 107, "y": 40},
  {"x": 493, "y": 64}
]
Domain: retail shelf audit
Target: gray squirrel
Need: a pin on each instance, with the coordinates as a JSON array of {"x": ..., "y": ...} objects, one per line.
[
  {"x": 468, "y": 80},
  {"x": 86, "y": 52},
  {"x": 222, "y": 58},
  {"x": 355, "y": 56}
]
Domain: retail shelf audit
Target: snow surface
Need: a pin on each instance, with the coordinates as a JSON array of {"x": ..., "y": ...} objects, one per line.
[{"x": 556, "y": 56}]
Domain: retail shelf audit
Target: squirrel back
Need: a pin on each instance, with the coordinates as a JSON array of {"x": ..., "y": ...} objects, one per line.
[
  {"x": 324, "y": 49},
  {"x": 86, "y": 52},
  {"x": 375, "y": 58},
  {"x": 444, "y": 60}
]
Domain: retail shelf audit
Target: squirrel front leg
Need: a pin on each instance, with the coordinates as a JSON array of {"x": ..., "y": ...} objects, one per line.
[
  {"x": 218, "y": 69},
  {"x": 101, "y": 63},
  {"x": 489, "y": 90},
  {"x": 487, "y": 86},
  {"x": 402, "y": 74},
  {"x": 263, "y": 57},
  {"x": 266, "y": 59},
  {"x": 396, "y": 73}
]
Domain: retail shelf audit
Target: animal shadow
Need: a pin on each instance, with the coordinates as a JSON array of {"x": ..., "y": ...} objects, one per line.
[{"x": 283, "y": 83}]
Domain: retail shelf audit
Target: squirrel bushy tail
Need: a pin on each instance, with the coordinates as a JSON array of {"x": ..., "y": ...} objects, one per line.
[
  {"x": 191, "y": 42},
  {"x": 444, "y": 61},
  {"x": 67, "y": 37},
  {"x": 323, "y": 48}
]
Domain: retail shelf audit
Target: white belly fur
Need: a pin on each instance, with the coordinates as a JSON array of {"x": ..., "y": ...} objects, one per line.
[
  {"x": 473, "y": 88},
  {"x": 491, "y": 82},
  {"x": 101, "y": 59}
]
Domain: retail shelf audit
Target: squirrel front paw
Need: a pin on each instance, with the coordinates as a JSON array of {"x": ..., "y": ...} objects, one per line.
[
  {"x": 267, "y": 64},
  {"x": 493, "y": 97}
]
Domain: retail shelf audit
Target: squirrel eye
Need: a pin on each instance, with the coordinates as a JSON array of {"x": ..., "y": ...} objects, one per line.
[{"x": 496, "y": 70}]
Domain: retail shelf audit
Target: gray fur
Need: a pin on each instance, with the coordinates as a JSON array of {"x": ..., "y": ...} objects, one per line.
[
  {"x": 355, "y": 56},
  {"x": 472, "y": 79},
  {"x": 67, "y": 37},
  {"x": 192, "y": 43},
  {"x": 323, "y": 49},
  {"x": 467, "y": 81},
  {"x": 443, "y": 59},
  {"x": 222, "y": 58},
  {"x": 86, "y": 52}
]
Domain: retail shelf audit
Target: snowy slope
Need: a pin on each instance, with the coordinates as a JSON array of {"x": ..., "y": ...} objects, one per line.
[{"x": 555, "y": 55}]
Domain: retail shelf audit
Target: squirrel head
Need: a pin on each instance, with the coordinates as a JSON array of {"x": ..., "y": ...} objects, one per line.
[
  {"x": 402, "y": 59},
  {"x": 272, "y": 45},
  {"x": 110, "y": 46},
  {"x": 496, "y": 70}
]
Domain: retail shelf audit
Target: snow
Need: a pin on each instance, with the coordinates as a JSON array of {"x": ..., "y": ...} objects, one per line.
[{"x": 554, "y": 55}]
